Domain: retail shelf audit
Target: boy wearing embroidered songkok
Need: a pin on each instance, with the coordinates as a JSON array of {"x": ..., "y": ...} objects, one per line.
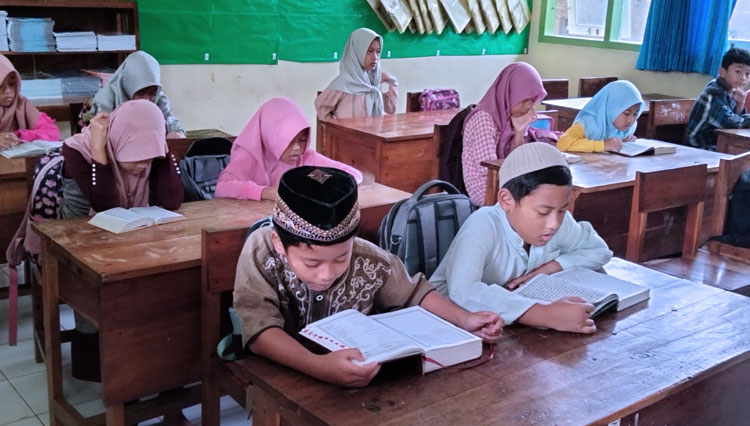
[{"x": 310, "y": 265}]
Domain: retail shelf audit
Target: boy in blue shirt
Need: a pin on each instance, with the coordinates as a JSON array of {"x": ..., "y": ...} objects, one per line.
[{"x": 721, "y": 104}]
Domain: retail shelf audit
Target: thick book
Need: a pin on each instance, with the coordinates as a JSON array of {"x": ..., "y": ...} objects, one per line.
[
  {"x": 601, "y": 290},
  {"x": 118, "y": 219},
  {"x": 646, "y": 147},
  {"x": 30, "y": 149},
  {"x": 398, "y": 334}
]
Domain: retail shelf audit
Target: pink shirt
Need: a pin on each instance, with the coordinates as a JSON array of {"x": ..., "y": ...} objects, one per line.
[{"x": 45, "y": 130}]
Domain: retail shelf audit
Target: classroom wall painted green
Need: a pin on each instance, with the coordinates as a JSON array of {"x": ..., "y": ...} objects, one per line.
[{"x": 264, "y": 32}]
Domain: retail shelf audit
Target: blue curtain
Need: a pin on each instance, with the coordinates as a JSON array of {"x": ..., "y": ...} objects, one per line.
[{"x": 685, "y": 35}]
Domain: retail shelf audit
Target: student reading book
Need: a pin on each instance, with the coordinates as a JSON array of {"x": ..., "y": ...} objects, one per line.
[
  {"x": 646, "y": 147},
  {"x": 118, "y": 219},
  {"x": 30, "y": 149},
  {"x": 608, "y": 119},
  {"x": 601, "y": 290},
  {"x": 527, "y": 233},
  {"x": 397, "y": 334},
  {"x": 311, "y": 266}
]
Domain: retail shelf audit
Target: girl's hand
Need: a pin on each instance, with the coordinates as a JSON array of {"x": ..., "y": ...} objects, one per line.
[
  {"x": 521, "y": 123},
  {"x": 630, "y": 138},
  {"x": 98, "y": 128},
  {"x": 8, "y": 140},
  {"x": 613, "y": 144}
]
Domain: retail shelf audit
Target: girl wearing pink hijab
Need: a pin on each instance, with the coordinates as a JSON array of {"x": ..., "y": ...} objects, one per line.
[
  {"x": 500, "y": 123},
  {"x": 275, "y": 140},
  {"x": 20, "y": 121},
  {"x": 120, "y": 160}
]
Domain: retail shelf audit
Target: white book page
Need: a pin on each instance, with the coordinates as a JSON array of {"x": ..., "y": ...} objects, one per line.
[
  {"x": 353, "y": 329},
  {"x": 633, "y": 148},
  {"x": 157, "y": 214},
  {"x": 119, "y": 220},
  {"x": 551, "y": 288},
  {"x": 627, "y": 292},
  {"x": 425, "y": 328},
  {"x": 121, "y": 214}
]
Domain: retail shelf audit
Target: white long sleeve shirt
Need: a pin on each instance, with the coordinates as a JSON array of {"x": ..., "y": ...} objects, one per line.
[{"x": 487, "y": 253}]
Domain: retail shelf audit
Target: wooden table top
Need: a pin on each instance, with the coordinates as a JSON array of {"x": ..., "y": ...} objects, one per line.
[
  {"x": 578, "y": 103},
  {"x": 53, "y": 102},
  {"x": 737, "y": 133},
  {"x": 12, "y": 168},
  {"x": 394, "y": 127},
  {"x": 604, "y": 171},
  {"x": 684, "y": 333},
  {"x": 102, "y": 256}
]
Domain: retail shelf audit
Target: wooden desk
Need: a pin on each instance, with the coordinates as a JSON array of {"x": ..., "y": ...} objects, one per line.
[
  {"x": 13, "y": 199},
  {"x": 397, "y": 149},
  {"x": 62, "y": 109},
  {"x": 733, "y": 141},
  {"x": 569, "y": 108},
  {"x": 603, "y": 189},
  {"x": 682, "y": 358},
  {"x": 142, "y": 291}
]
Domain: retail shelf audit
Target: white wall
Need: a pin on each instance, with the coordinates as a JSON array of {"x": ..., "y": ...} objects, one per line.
[{"x": 226, "y": 96}]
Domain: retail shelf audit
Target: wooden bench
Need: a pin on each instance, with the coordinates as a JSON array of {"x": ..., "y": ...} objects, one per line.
[
  {"x": 589, "y": 86},
  {"x": 668, "y": 119},
  {"x": 556, "y": 88}
]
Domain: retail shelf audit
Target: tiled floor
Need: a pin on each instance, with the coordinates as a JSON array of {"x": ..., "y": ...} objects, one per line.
[{"x": 23, "y": 382}]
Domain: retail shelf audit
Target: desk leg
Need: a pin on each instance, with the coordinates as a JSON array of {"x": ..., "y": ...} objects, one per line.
[
  {"x": 115, "y": 415},
  {"x": 51, "y": 296},
  {"x": 490, "y": 192},
  {"x": 264, "y": 413}
]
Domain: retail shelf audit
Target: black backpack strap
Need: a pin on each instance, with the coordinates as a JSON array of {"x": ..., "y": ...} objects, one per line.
[{"x": 427, "y": 223}]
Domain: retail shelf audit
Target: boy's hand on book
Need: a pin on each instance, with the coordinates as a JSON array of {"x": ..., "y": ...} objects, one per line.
[
  {"x": 613, "y": 144},
  {"x": 548, "y": 268},
  {"x": 571, "y": 314},
  {"x": 485, "y": 324},
  {"x": 339, "y": 369}
]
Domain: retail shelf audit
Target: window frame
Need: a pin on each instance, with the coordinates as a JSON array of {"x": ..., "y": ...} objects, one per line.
[{"x": 611, "y": 26}]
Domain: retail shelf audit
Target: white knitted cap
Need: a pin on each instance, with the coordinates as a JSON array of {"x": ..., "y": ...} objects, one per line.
[{"x": 529, "y": 158}]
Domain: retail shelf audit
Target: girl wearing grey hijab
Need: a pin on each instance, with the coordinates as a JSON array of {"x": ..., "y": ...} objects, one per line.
[
  {"x": 138, "y": 77},
  {"x": 357, "y": 89}
]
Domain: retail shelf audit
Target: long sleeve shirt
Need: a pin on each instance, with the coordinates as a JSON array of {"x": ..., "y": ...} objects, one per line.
[
  {"x": 45, "y": 130},
  {"x": 97, "y": 181},
  {"x": 714, "y": 108},
  {"x": 233, "y": 184},
  {"x": 574, "y": 139},
  {"x": 487, "y": 253},
  {"x": 336, "y": 104}
]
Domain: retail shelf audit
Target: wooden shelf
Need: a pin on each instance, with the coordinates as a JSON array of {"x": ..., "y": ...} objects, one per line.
[{"x": 91, "y": 52}]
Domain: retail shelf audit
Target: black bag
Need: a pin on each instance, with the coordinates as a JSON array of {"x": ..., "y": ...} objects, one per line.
[
  {"x": 201, "y": 166},
  {"x": 420, "y": 229},
  {"x": 450, "y": 167},
  {"x": 737, "y": 226}
]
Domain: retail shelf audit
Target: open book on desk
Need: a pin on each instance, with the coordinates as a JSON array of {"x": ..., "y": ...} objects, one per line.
[
  {"x": 30, "y": 149},
  {"x": 118, "y": 219},
  {"x": 398, "y": 334},
  {"x": 646, "y": 147},
  {"x": 601, "y": 290}
]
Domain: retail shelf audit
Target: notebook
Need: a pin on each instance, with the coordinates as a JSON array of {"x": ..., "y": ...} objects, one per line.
[
  {"x": 30, "y": 149},
  {"x": 398, "y": 334},
  {"x": 118, "y": 219},
  {"x": 646, "y": 147},
  {"x": 601, "y": 290}
]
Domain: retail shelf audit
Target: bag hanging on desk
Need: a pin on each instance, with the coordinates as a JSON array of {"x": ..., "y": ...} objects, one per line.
[
  {"x": 438, "y": 99},
  {"x": 201, "y": 166},
  {"x": 450, "y": 167},
  {"x": 420, "y": 229},
  {"x": 737, "y": 226}
]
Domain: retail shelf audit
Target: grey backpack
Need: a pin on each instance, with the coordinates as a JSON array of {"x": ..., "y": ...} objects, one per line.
[
  {"x": 201, "y": 166},
  {"x": 420, "y": 229}
]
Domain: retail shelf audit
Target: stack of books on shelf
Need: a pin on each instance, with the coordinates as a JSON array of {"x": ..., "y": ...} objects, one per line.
[
  {"x": 31, "y": 34},
  {"x": 78, "y": 41},
  {"x": 115, "y": 41},
  {"x": 3, "y": 30}
]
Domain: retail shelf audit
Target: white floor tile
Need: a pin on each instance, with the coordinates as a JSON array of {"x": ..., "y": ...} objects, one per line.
[
  {"x": 235, "y": 417},
  {"x": 24, "y": 319},
  {"x": 154, "y": 421},
  {"x": 12, "y": 406},
  {"x": 44, "y": 418},
  {"x": 31, "y": 421},
  {"x": 194, "y": 413},
  {"x": 67, "y": 322},
  {"x": 17, "y": 361},
  {"x": 91, "y": 408},
  {"x": 33, "y": 389}
]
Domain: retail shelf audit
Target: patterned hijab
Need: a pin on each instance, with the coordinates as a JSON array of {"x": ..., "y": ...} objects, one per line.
[
  {"x": 515, "y": 83},
  {"x": 138, "y": 71},
  {"x": 599, "y": 115},
  {"x": 136, "y": 133},
  {"x": 21, "y": 114},
  {"x": 353, "y": 78}
]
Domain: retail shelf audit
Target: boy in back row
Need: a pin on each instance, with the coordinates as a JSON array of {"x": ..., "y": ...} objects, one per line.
[{"x": 721, "y": 104}]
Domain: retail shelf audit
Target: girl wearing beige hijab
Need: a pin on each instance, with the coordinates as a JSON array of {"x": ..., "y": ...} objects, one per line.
[{"x": 357, "y": 91}]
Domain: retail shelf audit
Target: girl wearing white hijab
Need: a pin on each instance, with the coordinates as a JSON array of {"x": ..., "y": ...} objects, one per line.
[
  {"x": 357, "y": 92},
  {"x": 138, "y": 77}
]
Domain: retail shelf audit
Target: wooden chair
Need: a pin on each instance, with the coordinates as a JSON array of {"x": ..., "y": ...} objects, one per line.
[
  {"x": 655, "y": 191},
  {"x": 667, "y": 119},
  {"x": 588, "y": 86},
  {"x": 412, "y": 101},
  {"x": 556, "y": 88},
  {"x": 220, "y": 251}
]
